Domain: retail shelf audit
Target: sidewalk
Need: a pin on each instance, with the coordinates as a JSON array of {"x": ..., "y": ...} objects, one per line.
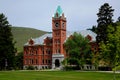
[{"x": 109, "y": 71}]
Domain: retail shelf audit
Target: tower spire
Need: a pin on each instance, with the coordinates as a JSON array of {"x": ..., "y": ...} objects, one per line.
[{"x": 59, "y": 12}]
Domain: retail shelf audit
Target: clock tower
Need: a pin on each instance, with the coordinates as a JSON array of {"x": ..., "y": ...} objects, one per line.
[{"x": 59, "y": 36}]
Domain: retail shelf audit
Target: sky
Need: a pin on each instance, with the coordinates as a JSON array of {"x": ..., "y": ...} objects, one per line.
[{"x": 80, "y": 14}]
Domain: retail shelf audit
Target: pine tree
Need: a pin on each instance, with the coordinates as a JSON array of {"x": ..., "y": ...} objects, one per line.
[
  {"x": 7, "y": 49},
  {"x": 118, "y": 19},
  {"x": 93, "y": 29},
  {"x": 104, "y": 19}
]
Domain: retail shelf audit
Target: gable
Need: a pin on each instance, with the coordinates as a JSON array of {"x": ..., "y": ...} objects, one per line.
[{"x": 85, "y": 33}]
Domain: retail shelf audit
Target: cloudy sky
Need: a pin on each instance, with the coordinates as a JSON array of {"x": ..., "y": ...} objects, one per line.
[{"x": 81, "y": 14}]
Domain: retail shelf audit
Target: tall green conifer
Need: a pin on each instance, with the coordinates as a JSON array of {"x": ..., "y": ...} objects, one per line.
[
  {"x": 105, "y": 15},
  {"x": 7, "y": 49}
]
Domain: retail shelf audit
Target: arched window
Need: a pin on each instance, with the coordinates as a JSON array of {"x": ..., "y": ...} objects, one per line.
[
  {"x": 32, "y": 61},
  {"x": 43, "y": 61},
  {"x": 57, "y": 63}
]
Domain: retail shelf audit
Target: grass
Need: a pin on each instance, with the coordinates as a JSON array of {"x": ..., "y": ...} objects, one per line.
[
  {"x": 56, "y": 75},
  {"x": 22, "y": 34}
]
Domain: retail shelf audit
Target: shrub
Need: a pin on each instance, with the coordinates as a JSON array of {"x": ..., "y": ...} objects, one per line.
[
  {"x": 69, "y": 68},
  {"x": 30, "y": 68},
  {"x": 104, "y": 68},
  {"x": 117, "y": 68}
]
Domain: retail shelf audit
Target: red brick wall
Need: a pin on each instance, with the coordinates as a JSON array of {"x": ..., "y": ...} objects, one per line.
[
  {"x": 59, "y": 34},
  {"x": 37, "y": 55}
]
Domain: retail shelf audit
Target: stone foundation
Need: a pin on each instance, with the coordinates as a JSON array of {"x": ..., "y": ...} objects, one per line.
[
  {"x": 38, "y": 67},
  {"x": 58, "y": 57}
]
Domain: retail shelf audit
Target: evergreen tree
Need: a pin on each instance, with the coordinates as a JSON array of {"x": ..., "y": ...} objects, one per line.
[
  {"x": 118, "y": 19},
  {"x": 105, "y": 15},
  {"x": 19, "y": 61},
  {"x": 7, "y": 49},
  {"x": 93, "y": 29}
]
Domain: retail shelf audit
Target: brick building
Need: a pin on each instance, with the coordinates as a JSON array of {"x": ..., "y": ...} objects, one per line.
[{"x": 48, "y": 50}]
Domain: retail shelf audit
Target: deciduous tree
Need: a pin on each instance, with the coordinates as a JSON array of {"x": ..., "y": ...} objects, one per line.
[
  {"x": 110, "y": 51},
  {"x": 78, "y": 50}
]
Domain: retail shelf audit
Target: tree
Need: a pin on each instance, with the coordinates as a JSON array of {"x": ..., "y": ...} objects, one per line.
[
  {"x": 93, "y": 29},
  {"x": 7, "y": 49},
  {"x": 118, "y": 19},
  {"x": 78, "y": 50},
  {"x": 105, "y": 15},
  {"x": 110, "y": 51},
  {"x": 19, "y": 60}
]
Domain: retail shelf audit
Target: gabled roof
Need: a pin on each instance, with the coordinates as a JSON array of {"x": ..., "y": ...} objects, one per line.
[
  {"x": 85, "y": 33},
  {"x": 40, "y": 40}
]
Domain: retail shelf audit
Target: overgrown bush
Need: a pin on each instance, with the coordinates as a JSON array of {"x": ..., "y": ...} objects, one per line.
[
  {"x": 70, "y": 68},
  {"x": 30, "y": 68},
  {"x": 103, "y": 68},
  {"x": 117, "y": 68}
]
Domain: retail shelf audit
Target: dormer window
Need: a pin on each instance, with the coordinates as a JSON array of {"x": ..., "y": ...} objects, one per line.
[
  {"x": 31, "y": 42},
  {"x": 89, "y": 37}
]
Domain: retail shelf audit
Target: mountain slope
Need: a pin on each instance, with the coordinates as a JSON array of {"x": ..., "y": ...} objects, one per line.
[{"x": 22, "y": 34}]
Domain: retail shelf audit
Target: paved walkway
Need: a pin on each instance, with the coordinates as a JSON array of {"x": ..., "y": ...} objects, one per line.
[
  {"x": 109, "y": 71},
  {"x": 76, "y": 70}
]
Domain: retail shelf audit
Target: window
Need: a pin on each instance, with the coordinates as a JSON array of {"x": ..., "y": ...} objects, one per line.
[
  {"x": 43, "y": 51},
  {"x": 58, "y": 50},
  {"x": 46, "y": 61},
  {"x": 29, "y": 61},
  {"x": 36, "y": 61},
  {"x": 31, "y": 52},
  {"x": 49, "y": 61},
  {"x": 36, "y": 52},
  {"x": 49, "y": 52},
  {"x": 43, "y": 61},
  {"x": 58, "y": 41},
  {"x": 32, "y": 61},
  {"x": 63, "y": 24},
  {"x": 46, "y": 51},
  {"x": 57, "y": 34},
  {"x": 26, "y": 52}
]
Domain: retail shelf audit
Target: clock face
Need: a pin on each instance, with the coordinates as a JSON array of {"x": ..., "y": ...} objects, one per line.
[
  {"x": 63, "y": 24},
  {"x": 56, "y": 24}
]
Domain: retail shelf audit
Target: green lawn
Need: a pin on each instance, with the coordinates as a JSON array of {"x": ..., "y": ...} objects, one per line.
[{"x": 56, "y": 75}]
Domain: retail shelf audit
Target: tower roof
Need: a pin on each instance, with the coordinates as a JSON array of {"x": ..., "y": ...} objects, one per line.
[{"x": 58, "y": 11}]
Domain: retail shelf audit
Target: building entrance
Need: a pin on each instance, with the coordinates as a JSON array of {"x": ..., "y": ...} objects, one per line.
[{"x": 57, "y": 63}]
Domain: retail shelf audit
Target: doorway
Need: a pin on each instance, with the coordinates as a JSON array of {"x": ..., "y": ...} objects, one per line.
[{"x": 57, "y": 63}]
